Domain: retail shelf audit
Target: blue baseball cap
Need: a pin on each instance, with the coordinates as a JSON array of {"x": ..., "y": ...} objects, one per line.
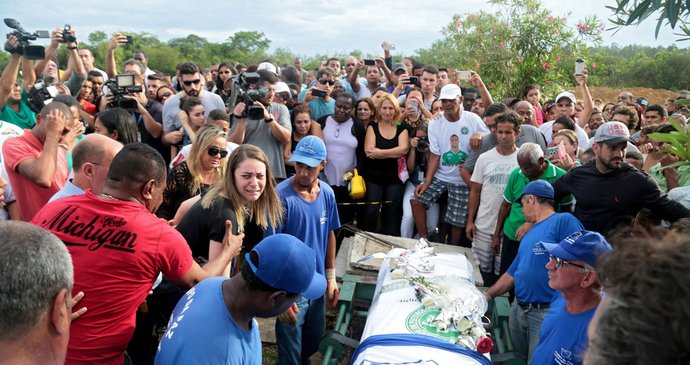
[
  {"x": 584, "y": 246},
  {"x": 540, "y": 188},
  {"x": 286, "y": 263},
  {"x": 310, "y": 151}
]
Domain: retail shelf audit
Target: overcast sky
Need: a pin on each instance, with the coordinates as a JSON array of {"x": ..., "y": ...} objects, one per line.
[{"x": 304, "y": 27}]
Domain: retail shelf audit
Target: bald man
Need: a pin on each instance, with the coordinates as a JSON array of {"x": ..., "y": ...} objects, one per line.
[
  {"x": 90, "y": 161},
  {"x": 37, "y": 279}
]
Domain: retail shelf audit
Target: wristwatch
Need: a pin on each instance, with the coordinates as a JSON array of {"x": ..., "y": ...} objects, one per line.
[{"x": 269, "y": 120}]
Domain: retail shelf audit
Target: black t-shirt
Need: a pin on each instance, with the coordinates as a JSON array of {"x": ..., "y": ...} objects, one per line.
[
  {"x": 605, "y": 201},
  {"x": 200, "y": 225},
  {"x": 384, "y": 170}
]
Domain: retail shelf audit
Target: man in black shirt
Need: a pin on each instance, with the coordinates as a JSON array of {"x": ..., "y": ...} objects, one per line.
[{"x": 608, "y": 191}]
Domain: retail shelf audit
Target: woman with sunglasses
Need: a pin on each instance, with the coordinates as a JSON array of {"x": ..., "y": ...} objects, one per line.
[
  {"x": 204, "y": 167},
  {"x": 225, "y": 71},
  {"x": 319, "y": 97},
  {"x": 164, "y": 93},
  {"x": 246, "y": 196}
]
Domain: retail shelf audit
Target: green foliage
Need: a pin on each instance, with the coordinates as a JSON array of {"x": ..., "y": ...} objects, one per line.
[
  {"x": 520, "y": 44},
  {"x": 671, "y": 12},
  {"x": 677, "y": 143}
]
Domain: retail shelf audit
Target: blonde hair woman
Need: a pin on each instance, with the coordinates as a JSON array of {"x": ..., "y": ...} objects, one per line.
[
  {"x": 246, "y": 196},
  {"x": 386, "y": 141},
  {"x": 204, "y": 167}
]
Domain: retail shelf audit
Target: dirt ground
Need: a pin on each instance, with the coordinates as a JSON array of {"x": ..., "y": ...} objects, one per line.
[{"x": 655, "y": 96}]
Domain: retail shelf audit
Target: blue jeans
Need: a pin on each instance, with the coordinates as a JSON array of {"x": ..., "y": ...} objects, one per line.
[
  {"x": 524, "y": 328},
  {"x": 297, "y": 342}
]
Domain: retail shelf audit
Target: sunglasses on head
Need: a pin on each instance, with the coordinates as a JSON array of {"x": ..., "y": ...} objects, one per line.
[
  {"x": 559, "y": 262},
  {"x": 189, "y": 82},
  {"x": 324, "y": 82},
  {"x": 214, "y": 151}
]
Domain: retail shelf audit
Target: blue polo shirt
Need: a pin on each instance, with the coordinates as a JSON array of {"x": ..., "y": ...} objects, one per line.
[{"x": 529, "y": 267}]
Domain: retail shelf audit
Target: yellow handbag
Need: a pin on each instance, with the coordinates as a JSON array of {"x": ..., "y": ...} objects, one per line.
[{"x": 357, "y": 186}]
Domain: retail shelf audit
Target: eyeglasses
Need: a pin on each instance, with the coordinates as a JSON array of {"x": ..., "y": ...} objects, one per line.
[
  {"x": 559, "y": 262},
  {"x": 324, "y": 82},
  {"x": 165, "y": 94},
  {"x": 189, "y": 82},
  {"x": 214, "y": 151}
]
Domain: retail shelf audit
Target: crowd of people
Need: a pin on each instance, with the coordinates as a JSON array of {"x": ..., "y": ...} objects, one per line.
[{"x": 189, "y": 204}]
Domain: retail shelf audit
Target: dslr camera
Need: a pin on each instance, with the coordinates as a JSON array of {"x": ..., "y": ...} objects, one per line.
[
  {"x": 246, "y": 89},
  {"x": 40, "y": 95},
  {"x": 25, "y": 48},
  {"x": 67, "y": 36},
  {"x": 423, "y": 143},
  {"x": 119, "y": 87}
]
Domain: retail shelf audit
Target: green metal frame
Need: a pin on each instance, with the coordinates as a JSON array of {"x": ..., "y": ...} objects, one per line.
[{"x": 356, "y": 291}]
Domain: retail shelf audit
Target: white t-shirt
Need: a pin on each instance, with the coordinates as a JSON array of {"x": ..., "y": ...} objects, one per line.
[
  {"x": 492, "y": 172},
  {"x": 184, "y": 153},
  {"x": 582, "y": 139},
  {"x": 441, "y": 131}
]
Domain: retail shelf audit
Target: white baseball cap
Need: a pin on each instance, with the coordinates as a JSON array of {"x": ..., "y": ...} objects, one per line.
[{"x": 450, "y": 92}]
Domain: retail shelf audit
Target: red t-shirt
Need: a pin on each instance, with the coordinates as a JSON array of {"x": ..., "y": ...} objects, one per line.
[
  {"x": 117, "y": 248},
  {"x": 31, "y": 197}
]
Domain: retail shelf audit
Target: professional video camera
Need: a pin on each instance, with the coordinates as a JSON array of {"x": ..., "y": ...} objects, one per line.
[
  {"x": 245, "y": 89},
  {"x": 25, "y": 48},
  {"x": 121, "y": 86},
  {"x": 40, "y": 95}
]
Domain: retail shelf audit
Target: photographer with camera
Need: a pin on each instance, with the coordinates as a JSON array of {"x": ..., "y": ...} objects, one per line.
[
  {"x": 319, "y": 97},
  {"x": 48, "y": 67},
  {"x": 270, "y": 129},
  {"x": 190, "y": 85},
  {"x": 14, "y": 106},
  {"x": 417, "y": 159}
]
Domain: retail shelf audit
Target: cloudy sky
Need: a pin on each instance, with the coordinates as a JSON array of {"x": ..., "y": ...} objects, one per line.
[{"x": 304, "y": 27}]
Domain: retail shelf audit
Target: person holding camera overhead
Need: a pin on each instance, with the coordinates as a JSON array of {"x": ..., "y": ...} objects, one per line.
[
  {"x": 49, "y": 69},
  {"x": 269, "y": 130},
  {"x": 14, "y": 107},
  {"x": 190, "y": 83}
]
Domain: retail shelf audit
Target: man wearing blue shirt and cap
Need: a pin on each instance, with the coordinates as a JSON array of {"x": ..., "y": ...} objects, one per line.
[
  {"x": 310, "y": 214},
  {"x": 563, "y": 334},
  {"x": 214, "y": 322},
  {"x": 526, "y": 274}
]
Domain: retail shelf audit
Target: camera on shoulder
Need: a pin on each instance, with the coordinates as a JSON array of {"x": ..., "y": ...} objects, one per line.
[
  {"x": 247, "y": 89},
  {"x": 28, "y": 51}
]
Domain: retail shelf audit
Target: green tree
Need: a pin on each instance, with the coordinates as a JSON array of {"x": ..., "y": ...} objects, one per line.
[
  {"x": 97, "y": 37},
  {"x": 246, "y": 47},
  {"x": 520, "y": 44},
  {"x": 671, "y": 12},
  {"x": 189, "y": 45}
]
